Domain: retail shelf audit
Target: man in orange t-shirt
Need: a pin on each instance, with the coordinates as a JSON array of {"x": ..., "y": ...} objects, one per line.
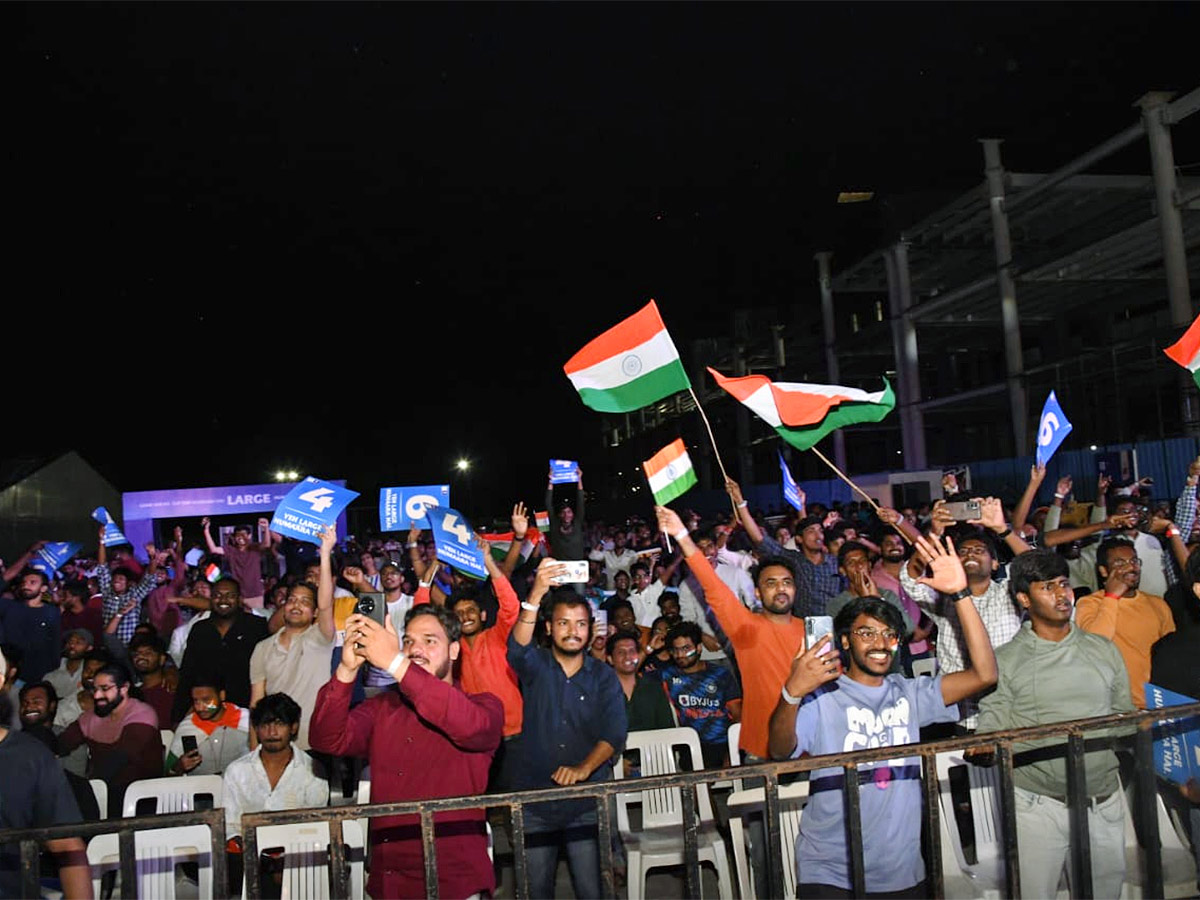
[{"x": 771, "y": 638}]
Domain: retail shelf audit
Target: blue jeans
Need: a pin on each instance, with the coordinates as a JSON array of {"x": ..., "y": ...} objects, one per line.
[{"x": 543, "y": 839}]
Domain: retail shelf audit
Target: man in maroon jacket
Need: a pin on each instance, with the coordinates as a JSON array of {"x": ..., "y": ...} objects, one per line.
[{"x": 425, "y": 738}]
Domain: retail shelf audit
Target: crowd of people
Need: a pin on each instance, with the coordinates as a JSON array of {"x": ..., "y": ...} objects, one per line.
[{"x": 283, "y": 667}]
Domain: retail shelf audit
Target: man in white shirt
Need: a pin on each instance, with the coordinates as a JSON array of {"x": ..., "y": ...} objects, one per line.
[
  {"x": 220, "y": 730},
  {"x": 275, "y": 775},
  {"x": 618, "y": 559}
]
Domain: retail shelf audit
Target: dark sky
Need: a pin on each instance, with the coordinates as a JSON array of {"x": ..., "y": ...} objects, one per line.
[{"x": 360, "y": 240}]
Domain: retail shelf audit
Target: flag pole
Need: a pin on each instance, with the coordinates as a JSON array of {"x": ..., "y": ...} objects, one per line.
[
  {"x": 713, "y": 441},
  {"x": 842, "y": 475}
]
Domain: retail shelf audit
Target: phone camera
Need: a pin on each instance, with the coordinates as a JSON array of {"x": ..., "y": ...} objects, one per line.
[{"x": 366, "y": 605}]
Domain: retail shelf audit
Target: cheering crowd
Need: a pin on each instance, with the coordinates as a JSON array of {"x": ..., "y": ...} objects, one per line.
[{"x": 285, "y": 667}]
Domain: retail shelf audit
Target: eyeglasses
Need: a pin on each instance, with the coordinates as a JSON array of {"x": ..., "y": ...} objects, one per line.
[
  {"x": 1132, "y": 562},
  {"x": 869, "y": 635}
]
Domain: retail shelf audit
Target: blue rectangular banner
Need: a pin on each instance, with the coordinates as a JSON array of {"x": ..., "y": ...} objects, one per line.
[
  {"x": 564, "y": 471},
  {"x": 52, "y": 555},
  {"x": 455, "y": 541},
  {"x": 402, "y": 507},
  {"x": 309, "y": 508},
  {"x": 792, "y": 492},
  {"x": 1052, "y": 429},
  {"x": 1176, "y": 741},
  {"x": 112, "y": 534}
]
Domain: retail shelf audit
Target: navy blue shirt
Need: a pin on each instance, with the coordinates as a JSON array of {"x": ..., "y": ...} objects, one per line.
[
  {"x": 36, "y": 630},
  {"x": 565, "y": 717}
]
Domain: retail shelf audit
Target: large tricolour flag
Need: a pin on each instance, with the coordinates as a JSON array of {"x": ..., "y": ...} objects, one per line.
[
  {"x": 631, "y": 365},
  {"x": 805, "y": 413},
  {"x": 1186, "y": 351},
  {"x": 670, "y": 472}
]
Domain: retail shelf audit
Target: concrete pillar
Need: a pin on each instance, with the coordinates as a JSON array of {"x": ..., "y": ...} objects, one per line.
[
  {"x": 904, "y": 347},
  {"x": 831, "y": 362},
  {"x": 1179, "y": 294},
  {"x": 1014, "y": 362}
]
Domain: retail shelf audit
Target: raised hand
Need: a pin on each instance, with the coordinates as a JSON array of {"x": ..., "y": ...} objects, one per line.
[
  {"x": 940, "y": 518},
  {"x": 991, "y": 514},
  {"x": 734, "y": 490},
  {"x": 205, "y": 522},
  {"x": 948, "y": 576},
  {"x": 811, "y": 668},
  {"x": 889, "y": 516},
  {"x": 328, "y": 538},
  {"x": 1037, "y": 474},
  {"x": 520, "y": 521},
  {"x": 1064, "y": 486},
  {"x": 668, "y": 520}
]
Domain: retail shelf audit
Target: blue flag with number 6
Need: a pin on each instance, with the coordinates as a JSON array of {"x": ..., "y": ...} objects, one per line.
[
  {"x": 309, "y": 508},
  {"x": 792, "y": 492},
  {"x": 112, "y": 534},
  {"x": 455, "y": 541},
  {"x": 1052, "y": 429}
]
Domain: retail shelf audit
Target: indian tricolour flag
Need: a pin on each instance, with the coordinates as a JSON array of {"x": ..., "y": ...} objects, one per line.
[
  {"x": 670, "y": 472},
  {"x": 1186, "y": 351},
  {"x": 501, "y": 542},
  {"x": 631, "y": 365},
  {"x": 802, "y": 414}
]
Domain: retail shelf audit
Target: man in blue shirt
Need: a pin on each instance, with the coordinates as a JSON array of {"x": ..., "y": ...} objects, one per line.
[
  {"x": 823, "y": 709},
  {"x": 574, "y": 727},
  {"x": 706, "y": 697}
]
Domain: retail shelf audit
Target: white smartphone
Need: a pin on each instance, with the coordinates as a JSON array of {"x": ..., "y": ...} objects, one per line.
[
  {"x": 601, "y": 619},
  {"x": 577, "y": 572},
  {"x": 815, "y": 628}
]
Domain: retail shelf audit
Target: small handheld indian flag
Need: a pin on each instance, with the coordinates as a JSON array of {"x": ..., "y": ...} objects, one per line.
[
  {"x": 543, "y": 521},
  {"x": 669, "y": 472},
  {"x": 631, "y": 365},
  {"x": 1186, "y": 351},
  {"x": 212, "y": 573}
]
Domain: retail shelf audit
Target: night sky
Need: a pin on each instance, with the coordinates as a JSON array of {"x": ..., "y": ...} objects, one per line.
[{"x": 360, "y": 240}]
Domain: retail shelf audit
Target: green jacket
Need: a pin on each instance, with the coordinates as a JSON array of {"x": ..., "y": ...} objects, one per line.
[{"x": 1044, "y": 681}]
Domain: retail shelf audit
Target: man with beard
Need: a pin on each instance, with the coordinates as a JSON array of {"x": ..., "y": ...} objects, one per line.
[
  {"x": 81, "y": 610},
  {"x": 221, "y": 731},
  {"x": 574, "y": 729},
  {"x": 991, "y": 598},
  {"x": 769, "y": 638},
  {"x": 121, "y": 734},
  {"x": 34, "y": 794},
  {"x": 32, "y": 624},
  {"x": 1123, "y": 613},
  {"x": 222, "y": 643},
  {"x": 294, "y": 660},
  {"x": 1053, "y": 672},
  {"x": 148, "y": 654},
  {"x": 893, "y": 555},
  {"x": 823, "y": 710},
  {"x": 273, "y": 776},
  {"x": 424, "y": 738},
  {"x": 646, "y": 706},
  {"x": 39, "y": 704}
]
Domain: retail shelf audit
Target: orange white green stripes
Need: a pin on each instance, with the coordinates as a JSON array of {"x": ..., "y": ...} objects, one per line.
[
  {"x": 670, "y": 472},
  {"x": 1186, "y": 351},
  {"x": 802, "y": 414},
  {"x": 631, "y": 365}
]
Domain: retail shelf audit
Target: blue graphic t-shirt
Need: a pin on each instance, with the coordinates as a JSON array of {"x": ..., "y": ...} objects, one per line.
[
  {"x": 848, "y": 716},
  {"x": 701, "y": 699}
]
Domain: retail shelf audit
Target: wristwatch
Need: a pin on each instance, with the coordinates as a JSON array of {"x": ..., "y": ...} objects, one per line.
[{"x": 960, "y": 595}]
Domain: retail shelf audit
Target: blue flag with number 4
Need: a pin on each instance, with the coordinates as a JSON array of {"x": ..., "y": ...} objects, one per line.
[
  {"x": 792, "y": 492},
  {"x": 309, "y": 508},
  {"x": 455, "y": 541},
  {"x": 1052, "y": 429}
]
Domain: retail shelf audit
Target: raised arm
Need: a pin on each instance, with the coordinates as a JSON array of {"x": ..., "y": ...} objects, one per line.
[
  {"x": 1037, "y": 474},
  {"x": 208, "y": 541},
  {"x": 949, "y": 578},
  {"x": 264, "y": 528},
  {"x": 1066, "y": 535},
  {"x": 522, "y": 632},
  {"x": 991, "y": 516},
  {"x": 325, "y": 588},
  {"x": 734, "y": 490},
  {"x": 520, "y": 527},
  {"x": 12, "y": 571},
  {"x": 892, "y": 517},
  {"x": 811, "y": 668}
]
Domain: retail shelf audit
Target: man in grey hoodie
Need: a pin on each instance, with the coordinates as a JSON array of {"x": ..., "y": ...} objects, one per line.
[{"x": 1052, "y": 672}]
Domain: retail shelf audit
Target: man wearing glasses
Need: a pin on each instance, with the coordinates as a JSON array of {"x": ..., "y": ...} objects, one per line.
[
  {"x": 1121, "y": 612},
  {"x": 825, "y": 709},
  {"x": 1052, "y": 672}
]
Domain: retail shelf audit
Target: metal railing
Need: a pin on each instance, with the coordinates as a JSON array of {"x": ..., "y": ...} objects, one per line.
[{"x": 770, "y": 774}]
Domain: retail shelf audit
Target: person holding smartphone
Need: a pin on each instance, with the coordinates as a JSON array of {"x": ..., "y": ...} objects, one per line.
[{"x": 213, "y": 735}]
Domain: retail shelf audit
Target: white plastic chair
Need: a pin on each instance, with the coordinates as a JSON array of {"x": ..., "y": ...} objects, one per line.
[
  {"x": 659, "y": 842},
  {"x": 744, "y": 804},
  {"x": 168, "y": 738},
  {"x": 158, "y": 852},
  {"x": 100, "y": 790},
  {"x": 926, "y": 666},
  {"x": 985, "y": 877},
  {"x": 174, "y": 794},
  {"x": 1179, "y": 866},
  {"x": 305, "y": 846}
]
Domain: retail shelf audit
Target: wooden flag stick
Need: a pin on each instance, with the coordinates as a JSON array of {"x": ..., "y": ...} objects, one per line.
[
  {"x": 713, "y": 441},
  {"x": 842, "y": 475}
]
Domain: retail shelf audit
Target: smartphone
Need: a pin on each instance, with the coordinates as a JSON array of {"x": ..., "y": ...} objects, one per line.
[
  {"x": 577, "y": 572},
  {"x": 963, "y": 510},
  {"x": 601, "y": 619},
  {"x": 815, "y": 628},
  {"x": 189, "y": 743},
  {"x": 372, "y": 605}
]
